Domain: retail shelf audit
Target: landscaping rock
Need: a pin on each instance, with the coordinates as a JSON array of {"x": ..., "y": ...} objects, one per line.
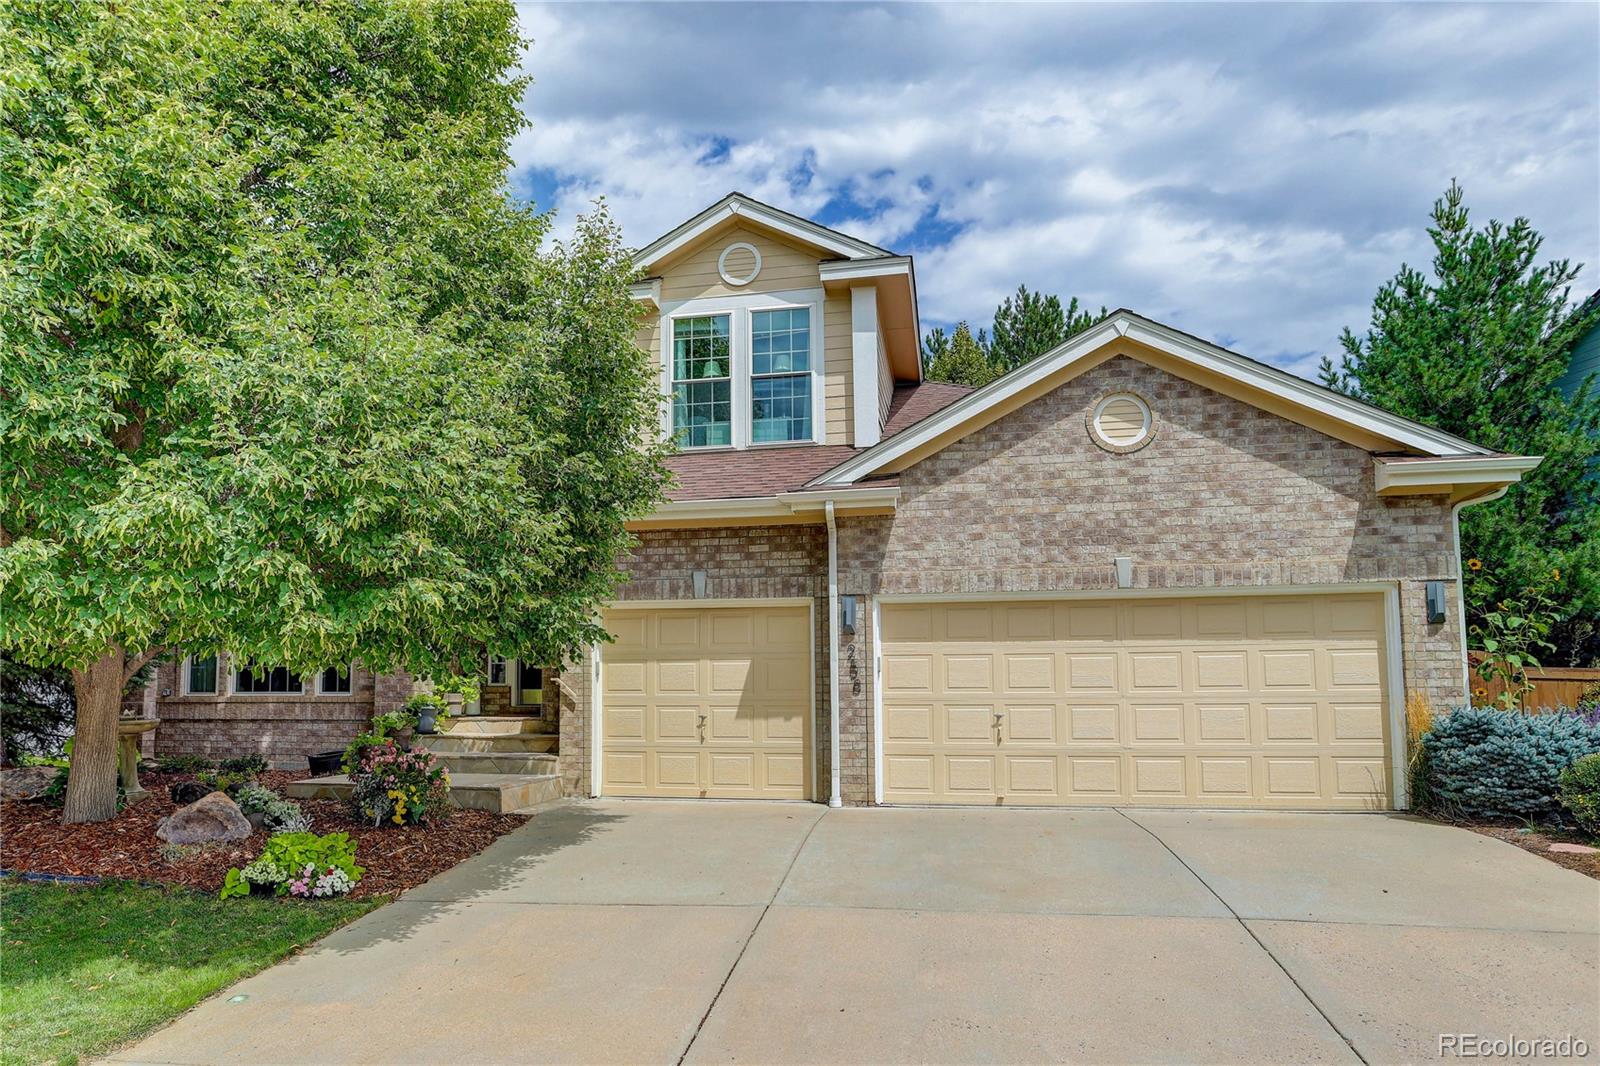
[
  {"x": 1574, "y": 849},
  {"x": 212, "y": 817},
  {"x": 187, "y": 792},
  {"x": 26, "y": 782}
]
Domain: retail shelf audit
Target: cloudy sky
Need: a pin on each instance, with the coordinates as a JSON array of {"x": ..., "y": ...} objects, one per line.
[{"x": 1250, "y": 173}]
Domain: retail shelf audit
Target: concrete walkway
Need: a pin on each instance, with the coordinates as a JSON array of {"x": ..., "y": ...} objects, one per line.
[{"x": 647, "y": 932}]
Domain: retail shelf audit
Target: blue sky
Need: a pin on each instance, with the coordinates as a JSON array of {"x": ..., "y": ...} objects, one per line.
[{"x": 1250, "y": 173}]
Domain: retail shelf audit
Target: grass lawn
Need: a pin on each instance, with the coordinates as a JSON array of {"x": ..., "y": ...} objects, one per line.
[{"x": 84, "y": 969}]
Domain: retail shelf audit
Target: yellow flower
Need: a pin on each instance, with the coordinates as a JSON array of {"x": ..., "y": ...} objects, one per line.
[
  {"x": 398, "y": 819},
  {"x": 1474, "y": 564},
  {"x": 1480, "y": 691},
  {"x": 1556, "y": 573}
]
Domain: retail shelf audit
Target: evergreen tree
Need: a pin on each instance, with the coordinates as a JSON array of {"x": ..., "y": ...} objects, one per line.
[
  {"x": 965, "y": 361},
  {"x": 1031, "y": 323},
  {"x": 1475, "y": 349}
]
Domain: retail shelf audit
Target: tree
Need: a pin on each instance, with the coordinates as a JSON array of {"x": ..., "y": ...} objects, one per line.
[
  {"x": 964, "y": 361},
  {"x": 1475, "y": 349},
  {"x": 286, "y": 372},
  {"x": 36, "y": 710},
  {"x": 1031, "y": 323}
]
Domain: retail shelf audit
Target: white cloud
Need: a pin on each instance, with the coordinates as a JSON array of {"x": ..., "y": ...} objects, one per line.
[{"x": 1250, "y": 173}]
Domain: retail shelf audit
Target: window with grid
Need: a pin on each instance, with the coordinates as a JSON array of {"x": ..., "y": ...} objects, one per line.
[
  {"x": 702, "y": 382},
  {"x": 202, "y": 674},
  {"x": 780, "y": 375},
  {"x": 270, "y": 679}
]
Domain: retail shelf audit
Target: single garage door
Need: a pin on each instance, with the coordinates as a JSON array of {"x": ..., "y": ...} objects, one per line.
[
  {"x": 1265, "y": 701},
  {"x": 707, "y": 702}
]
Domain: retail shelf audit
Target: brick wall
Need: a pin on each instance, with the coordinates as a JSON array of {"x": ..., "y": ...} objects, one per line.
[
  {"x": 282, "y": 728},
  {"x": 767, "y": 562},
  {"x": 1226, "y": 495}
]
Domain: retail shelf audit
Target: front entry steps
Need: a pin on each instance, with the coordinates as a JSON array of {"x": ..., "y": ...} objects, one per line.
[
  {"x": 499, "y": 793},
  {"x": 498, "y": 763}
]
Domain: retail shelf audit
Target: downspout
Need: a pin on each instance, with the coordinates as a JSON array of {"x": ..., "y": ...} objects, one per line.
[
  {"x": 1461, "y": 582},
  {"x": 834, "y": 798}
]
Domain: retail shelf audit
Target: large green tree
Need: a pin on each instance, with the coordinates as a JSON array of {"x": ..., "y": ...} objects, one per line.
[
  {"x": 1029, "y": 324},
  {"x": 1475, "y": 348},
  {"x": 961, "y": 360},
  {"x": 285, "y": 369}
]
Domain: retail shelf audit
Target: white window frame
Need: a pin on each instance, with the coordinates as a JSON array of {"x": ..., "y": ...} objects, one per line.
[
  {"x": 739, "y": 308},
  {"x": 349, "y": 672},
  {"x": 513, "y": 668},
  {"x": 669, "y": 356},
  {"x": 488, "y": 671},
  {"x": 233, "y": 685},
  {"x": 217, "y": 687}
]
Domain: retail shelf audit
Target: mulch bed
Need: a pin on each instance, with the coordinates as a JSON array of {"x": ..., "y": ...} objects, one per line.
[
  {"x": 32, "y": 839},
  {"x": 1538, "y": 841}
]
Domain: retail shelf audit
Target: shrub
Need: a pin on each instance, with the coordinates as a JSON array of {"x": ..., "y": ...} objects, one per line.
[
  {"x": 1488, "y": 763},
  {"x": 1580, "y": 792},
  {"x": 1588, "y": 705},
  {"x": 248, "y": 765},
  {"x": 183, "y": 764},
  {"x": 392, "y": 785},
  {"x": 299, "y": 864},
  {"x": 1419, "y": 719},
  {"x": 224, "y": 781},
  {"x": 280, "y": 815}
]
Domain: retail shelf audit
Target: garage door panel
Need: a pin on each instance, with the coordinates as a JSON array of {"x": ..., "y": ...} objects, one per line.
[
  {"x": 1235, "y": 702},
  {"x": 707, "y": 702}
]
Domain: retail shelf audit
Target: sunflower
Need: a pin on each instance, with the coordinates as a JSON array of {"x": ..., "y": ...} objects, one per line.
[
  {"x": 1474, "y": 564},
  {"x": 1480, "y": 692}
]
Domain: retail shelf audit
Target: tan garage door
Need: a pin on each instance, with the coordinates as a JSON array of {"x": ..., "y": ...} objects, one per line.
[
  {"x": 1267, "y": 701},
  {"x": 707, "y": 702}
]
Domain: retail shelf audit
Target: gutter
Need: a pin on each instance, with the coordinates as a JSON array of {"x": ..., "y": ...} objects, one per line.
[
  {"x": 1461, "y": 581},
  {"x": 834, "y": 795}
]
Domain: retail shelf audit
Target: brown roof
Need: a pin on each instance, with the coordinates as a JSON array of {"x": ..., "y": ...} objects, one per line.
[{"x": 729, "y": 474}]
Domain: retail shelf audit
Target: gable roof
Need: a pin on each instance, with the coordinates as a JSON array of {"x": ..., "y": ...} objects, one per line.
[
  {"x": 737, "y": 204},
  {"x": 1183, "y": 347}
]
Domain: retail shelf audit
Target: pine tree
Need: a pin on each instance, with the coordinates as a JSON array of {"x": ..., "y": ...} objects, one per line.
[
  {"x": 1031, "y": 323},
  {"x": 965, "y": 361},
  {"x": 1475, "y": 350}
]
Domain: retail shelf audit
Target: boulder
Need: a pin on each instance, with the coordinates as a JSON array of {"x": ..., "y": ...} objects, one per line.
[
  {"x": 212, "y": 817},
  {"x": 187, "y": 792},
  {"x": 26, "y": 782}
]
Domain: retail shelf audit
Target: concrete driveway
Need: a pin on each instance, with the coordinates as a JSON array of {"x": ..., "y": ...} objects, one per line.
[{"x": 631, "y": 931}]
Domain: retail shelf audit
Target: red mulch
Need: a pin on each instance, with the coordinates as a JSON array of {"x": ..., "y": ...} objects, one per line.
[
  {"x": 1538, "y": 841},
  {"x": 32, "y": 839}
]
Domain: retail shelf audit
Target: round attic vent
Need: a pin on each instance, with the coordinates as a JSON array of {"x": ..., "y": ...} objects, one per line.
[
  {"x": 1122, "y": 422},
  {"x": 739, "y": 263}
]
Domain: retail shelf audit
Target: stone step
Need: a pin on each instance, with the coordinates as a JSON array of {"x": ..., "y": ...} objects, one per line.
[
  {"x": 449, "y": 743},
  {"x": 500, "y": 793},
  {"x": 492, "y": 725},
  {"x": 497, "y": 762}
]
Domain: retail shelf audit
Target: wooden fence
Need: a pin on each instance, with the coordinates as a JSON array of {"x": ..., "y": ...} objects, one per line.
[{"x": 1553, "y": 686}]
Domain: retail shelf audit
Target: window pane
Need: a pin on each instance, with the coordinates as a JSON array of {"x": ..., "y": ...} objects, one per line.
[
  {"x": 702, "y": 413},
  {"x": 497, "y": 671},
  {"x": 700, "y": 348},
  {"x": 336, "y": 679},
  {"x": 530, "y": 685},
  {"x": 203, "y": 674},
  {"x": 272, "y": 679},
  {"x": 780, "y": 408},
  {"x": 780, "y": 341}
]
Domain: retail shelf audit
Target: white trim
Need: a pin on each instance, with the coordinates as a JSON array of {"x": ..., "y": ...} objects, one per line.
[
  {"x": 233, "y": 684},
  {"x": 488, "y": 671},
  {"x": 722, "y": 264},
  {"x": 741, "y": 206},
  {"x": 835, "y": 793},
  {"x": 877, "y": 704},
  {"x": 648, "y": 291},
  {"x": 1457, "y": 471},
  {"x": 1394, "y": 680},
  {"x": 864, "y": 365},
  {"x": 513, "y": 682},
  {"x": 1137, "y": 401},
  {"x": 811, "y": 724},
  {"x": 596, "y": 711},
  {"x": 217, "y": 685},
  {"x": 349, "y": 673},
  {"x": 782, "y": 505},
  {"x": 889, "y": 266},
  {"x": 1399, "y": 795},
  {"x": 1152, "y": 334}
]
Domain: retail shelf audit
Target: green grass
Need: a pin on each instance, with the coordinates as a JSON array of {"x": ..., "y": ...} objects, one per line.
[{"x": 84, "y": 969}]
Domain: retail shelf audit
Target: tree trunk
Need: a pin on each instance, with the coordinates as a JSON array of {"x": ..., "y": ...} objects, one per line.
[{"x": 92, "y": 771}]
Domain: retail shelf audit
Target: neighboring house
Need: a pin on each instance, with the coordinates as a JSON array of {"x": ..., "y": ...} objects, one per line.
[
  {"x": 1585, "y": 352},
  {"x": 1140, "y": 569}
]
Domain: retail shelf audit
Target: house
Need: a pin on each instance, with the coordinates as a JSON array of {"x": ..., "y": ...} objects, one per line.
[
  {"x": 1140, "y": 569},
  {"x": 1585, "y": 351}
]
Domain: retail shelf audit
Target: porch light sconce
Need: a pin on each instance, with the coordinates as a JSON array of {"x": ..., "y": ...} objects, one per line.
[
  {"x": 847, "y": 613},
  {"x": 699, "y": 577},
  {"x": 1435, "y": 602},
  {"x": 1124, "y": 565}
]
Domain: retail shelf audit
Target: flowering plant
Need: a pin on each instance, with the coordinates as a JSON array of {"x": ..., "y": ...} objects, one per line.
[
  {"x": 299, "y": 864},
  {"x": 398, "y": 786}
]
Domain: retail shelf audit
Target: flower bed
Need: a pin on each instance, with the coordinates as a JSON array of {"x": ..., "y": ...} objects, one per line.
[{"x": 395, "y": 858}]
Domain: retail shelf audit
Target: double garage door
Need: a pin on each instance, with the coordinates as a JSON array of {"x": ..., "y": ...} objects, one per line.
[
  {"x": 1261, "y": 701},
  {"x": 1266, "y": 701}
]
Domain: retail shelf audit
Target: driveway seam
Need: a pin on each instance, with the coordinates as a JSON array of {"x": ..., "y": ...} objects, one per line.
[
  {"x": 1251, "y": 933},
  {"x": 787, "y": 870}
]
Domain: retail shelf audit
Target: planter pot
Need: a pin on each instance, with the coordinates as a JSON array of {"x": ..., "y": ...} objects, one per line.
[
  {"x": 324, "y": 763},
  {"x": 427, "y": 721}
]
